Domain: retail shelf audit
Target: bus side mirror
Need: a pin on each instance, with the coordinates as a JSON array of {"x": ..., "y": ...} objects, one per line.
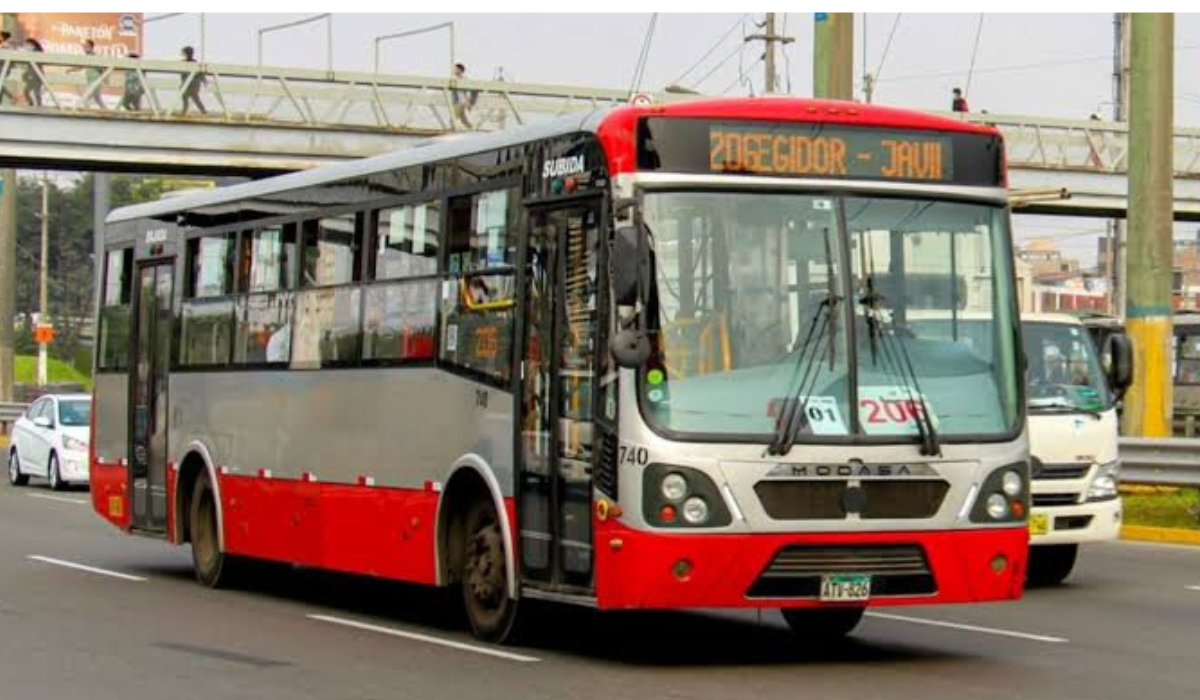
[
  {"x": 625, "y": 266},
  {"x": 1120, "y": 366},
  {"x": 630, "y": 348}
]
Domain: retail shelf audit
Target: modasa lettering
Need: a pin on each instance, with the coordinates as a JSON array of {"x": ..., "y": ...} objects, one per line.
[
  {"x": 559, "y": 167},
  {"x": 850, "y": 470},
  {"x": 776, "y": 154}
]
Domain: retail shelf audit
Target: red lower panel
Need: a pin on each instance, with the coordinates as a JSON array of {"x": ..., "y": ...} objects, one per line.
[
  {"x": 365, "y": 530},
  {"x": 635, "y": 569},
  {"x": 110, "y": 492}
]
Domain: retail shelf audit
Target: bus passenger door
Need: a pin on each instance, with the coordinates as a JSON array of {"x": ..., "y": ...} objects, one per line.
[
  {"x": 555, "y": 398},
  {"x": 148, "y": 396}
]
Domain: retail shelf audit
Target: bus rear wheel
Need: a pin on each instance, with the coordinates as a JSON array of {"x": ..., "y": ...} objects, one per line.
[
  {"x": 1050, "y": 565},
  {"x": 822, "y": 624},
  {"x": 491, "y": 611},
  {"x": 214, "y": 568}
]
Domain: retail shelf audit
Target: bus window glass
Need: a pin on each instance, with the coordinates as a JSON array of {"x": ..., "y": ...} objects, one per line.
[
  {"x": 268, "y": 259},
  {"x": 327, "y": 328},
  {"x": 264, "y": 329},
  {"x": 205, "y": 333},
  {"x": 477, "y": 313},
  {"x": 331, "y": 251},
  {"x": 400, "y": 321},
  {"x": 211, "y": 260},
  {"x": 406, "y": 241},
  {"x": 113, "y": 348},
  {"x": 478, "y": 235}
]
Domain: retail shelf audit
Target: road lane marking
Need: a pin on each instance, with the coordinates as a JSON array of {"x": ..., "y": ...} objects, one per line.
[
  {"x": 57, "y": 498},
  {"x": 423, "y": 638},
  {"x": 969, "y": 628},
  {"x": 1193, "y": 588},
  {"x": 83, "y": 567}
]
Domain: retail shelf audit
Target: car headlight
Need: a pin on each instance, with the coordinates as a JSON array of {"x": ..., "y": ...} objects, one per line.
[
  {"x": 1104, "y": 483},
  {"x": 70, "y": 443}
]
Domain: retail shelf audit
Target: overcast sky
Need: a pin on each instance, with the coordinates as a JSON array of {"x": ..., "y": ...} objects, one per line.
[{"x": 1049, "y": 65}]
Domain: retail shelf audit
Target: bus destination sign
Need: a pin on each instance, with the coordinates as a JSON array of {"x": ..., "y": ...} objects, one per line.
[
  {"x": 819, "y": 150},
  {"x": 780, "y": 151}
]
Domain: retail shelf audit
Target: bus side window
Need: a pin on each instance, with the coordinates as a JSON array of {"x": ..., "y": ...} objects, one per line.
[
  {"x": 478, "y": 294},
  {"x": 113, "y": 351}
]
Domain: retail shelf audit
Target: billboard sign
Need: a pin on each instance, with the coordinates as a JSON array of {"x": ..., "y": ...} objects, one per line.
[{"x": 117, "y": 34}]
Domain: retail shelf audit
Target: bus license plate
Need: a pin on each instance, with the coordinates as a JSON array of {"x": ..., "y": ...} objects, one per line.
[
  {"x": 843, "y": 588},
  {"x": 1039, "y": 524}
]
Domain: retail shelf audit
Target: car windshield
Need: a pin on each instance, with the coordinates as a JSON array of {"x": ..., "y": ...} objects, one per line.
[
  {"x": 1064, "y": 371},
  {"x": 74, "y": 412},
  {"x": 757, "y": 298}
]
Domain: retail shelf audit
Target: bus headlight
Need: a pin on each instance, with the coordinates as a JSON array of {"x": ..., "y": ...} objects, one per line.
[
  {"x": 1002, "y": 495},
  {"x": 997, "y": 506},
  {"x": 1104, "y": 484},
  {"x": 1011, "y": 483},
  {"x": 674, "y": 487},
  {"x": 695, "y": 511},
  {"x": 682, "y": 497}
]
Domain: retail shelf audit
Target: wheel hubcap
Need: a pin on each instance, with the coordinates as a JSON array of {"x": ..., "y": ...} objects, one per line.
[{"x": 485, "y": 567}]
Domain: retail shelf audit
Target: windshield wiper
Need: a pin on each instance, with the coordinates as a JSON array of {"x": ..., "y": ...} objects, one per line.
[
  {"x": 1062, "y": 406},
  {"x": 795, "y": 408},
  {"x": 793, "y": 413},
  {"x": 899, "y": 364}
]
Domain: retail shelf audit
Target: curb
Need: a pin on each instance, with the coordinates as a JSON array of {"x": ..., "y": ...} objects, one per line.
[{"x": 1173, "y": 535}]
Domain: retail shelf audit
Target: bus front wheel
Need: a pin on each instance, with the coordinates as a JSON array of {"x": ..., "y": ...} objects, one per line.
[
  {"x": 491, "y": 611},
  {"x": 822, "y": 624},
  {"x": 214, "y": 568}
]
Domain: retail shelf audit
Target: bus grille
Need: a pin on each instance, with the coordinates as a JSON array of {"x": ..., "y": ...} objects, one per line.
[
  {"x": 824, "y": 500},
  {"x": 1055, "y": 499},
  {"x": 606, "y": 468},
  {"x": 1043, "y": 471},
  {"x": 796, "y": 571}
]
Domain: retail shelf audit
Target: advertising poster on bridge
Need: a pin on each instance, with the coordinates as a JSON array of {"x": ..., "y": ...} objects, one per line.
[{"x": 117, "y": 34}]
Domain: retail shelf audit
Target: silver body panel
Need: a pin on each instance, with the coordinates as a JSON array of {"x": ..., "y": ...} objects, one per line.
[{"x": 399, "y": 426}]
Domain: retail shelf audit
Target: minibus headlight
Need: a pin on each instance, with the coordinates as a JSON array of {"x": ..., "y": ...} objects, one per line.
[
  {"x": 682, "y": 497},
  {"x": 1104, "y": 483}
]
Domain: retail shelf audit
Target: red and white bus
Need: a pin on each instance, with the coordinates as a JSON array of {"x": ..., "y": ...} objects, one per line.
[{"x": 650, "y": 357}]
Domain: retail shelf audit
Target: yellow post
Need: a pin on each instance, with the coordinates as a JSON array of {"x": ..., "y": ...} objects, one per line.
[{"x": 1151, "y": 196}]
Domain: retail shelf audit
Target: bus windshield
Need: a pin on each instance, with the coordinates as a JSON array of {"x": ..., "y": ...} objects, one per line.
[
  {"x": 834, "y": 302},
  {"x": 1064, "y": 371}
]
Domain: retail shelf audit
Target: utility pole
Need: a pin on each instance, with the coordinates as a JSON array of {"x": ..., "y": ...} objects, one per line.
[
  {"x": 1150, "y": 261},
  {"x": 833, "y": 55},
  {"x": 1116, "y": 244},
  {"x": 769, "y": 39},
  {"x": 8, "y": 277},
  {"x": 43, "y": 306}
]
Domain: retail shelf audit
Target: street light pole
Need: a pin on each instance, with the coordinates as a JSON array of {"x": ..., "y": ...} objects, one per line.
[{"x": 43, "y": 306}]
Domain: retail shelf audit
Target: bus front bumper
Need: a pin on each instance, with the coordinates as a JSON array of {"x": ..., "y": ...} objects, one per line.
[
  {"x": 656, "y": 570},
  {"x": 1097, "y": 521}
]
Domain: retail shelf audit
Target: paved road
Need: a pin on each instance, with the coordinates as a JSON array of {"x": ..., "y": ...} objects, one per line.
[{"x": 1127, "y": 626}]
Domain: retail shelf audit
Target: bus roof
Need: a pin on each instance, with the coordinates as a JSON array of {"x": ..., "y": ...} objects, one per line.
[{"x": 605, "y": 122}]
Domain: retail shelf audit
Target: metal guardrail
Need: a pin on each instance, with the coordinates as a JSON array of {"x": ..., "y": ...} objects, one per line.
[
  {"x": 124, "y": 88},
  {"x": 1160, "y": 461},
  {"x": 9, "y": 413}
]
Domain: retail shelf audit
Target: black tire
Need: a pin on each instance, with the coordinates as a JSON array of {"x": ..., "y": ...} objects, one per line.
[
  {"x": 1050, "y": 565},
  {"x": 214, "y": 568},
  {"x": 54, "y": 474},
  {"x": 822, "y": 624},
  {"x": 491, "y": 612},
  {"x": 15, "y": 477}
]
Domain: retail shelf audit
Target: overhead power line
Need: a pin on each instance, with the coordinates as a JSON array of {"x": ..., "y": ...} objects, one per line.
[
  {"x": 712, "y": 49},
  {"x": 640, "y": 70},
  {"x": 974, "y": 53}
]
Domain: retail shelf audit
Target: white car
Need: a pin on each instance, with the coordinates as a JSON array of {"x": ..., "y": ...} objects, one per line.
[{"x": 51, "y": 441}]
